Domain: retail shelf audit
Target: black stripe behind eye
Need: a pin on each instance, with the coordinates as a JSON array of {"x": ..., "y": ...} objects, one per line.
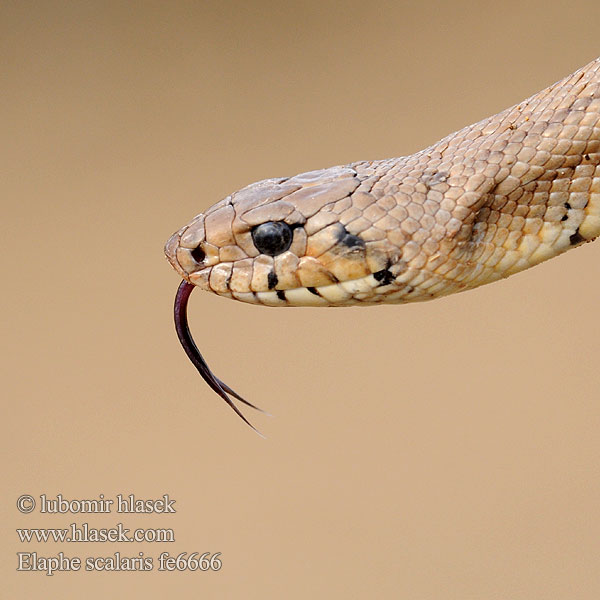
[{"x": 348, "y": 239}]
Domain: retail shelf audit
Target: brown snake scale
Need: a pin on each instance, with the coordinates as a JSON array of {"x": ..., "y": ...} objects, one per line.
[{"x": 487, "y": 201}]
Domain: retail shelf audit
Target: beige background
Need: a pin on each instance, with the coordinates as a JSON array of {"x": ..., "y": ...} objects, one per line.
[{"x": 448, "y": 450}]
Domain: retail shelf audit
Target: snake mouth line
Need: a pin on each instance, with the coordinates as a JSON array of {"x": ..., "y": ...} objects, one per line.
[
  {"x": 187, "y": 341},
  {"x": 324, "y": 295},
  {"x": 370, "y": 288}
]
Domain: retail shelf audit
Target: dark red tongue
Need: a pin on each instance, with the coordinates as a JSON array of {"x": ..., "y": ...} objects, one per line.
[{"x": 185, "y": 337}]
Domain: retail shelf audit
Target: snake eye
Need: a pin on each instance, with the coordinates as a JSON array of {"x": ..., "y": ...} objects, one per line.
[{"x": 272, "y": 238}]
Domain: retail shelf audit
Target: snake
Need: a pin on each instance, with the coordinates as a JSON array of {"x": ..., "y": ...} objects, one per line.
[{"x": 483, "y": 203}]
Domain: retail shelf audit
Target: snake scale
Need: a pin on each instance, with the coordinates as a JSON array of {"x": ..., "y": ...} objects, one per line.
[{"x": 490, "y": 200}]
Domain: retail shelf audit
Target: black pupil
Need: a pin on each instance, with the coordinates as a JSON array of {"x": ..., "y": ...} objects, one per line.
[{"x": 272, "y": 238}]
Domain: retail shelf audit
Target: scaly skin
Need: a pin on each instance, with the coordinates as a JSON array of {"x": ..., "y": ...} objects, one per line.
[{"x": 488, "y": 201}]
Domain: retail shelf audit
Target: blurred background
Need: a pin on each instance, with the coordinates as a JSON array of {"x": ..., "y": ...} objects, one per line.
[{"x": 441, "y": 450}]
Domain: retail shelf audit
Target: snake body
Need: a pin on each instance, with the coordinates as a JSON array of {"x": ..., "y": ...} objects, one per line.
[{"x": 490, "y": 200}]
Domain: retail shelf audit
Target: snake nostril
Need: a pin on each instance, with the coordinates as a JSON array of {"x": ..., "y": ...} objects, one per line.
[{"x": 198, "y": 254}]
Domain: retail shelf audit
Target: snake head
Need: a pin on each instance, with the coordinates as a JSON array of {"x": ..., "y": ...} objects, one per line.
[
  {"x": 307, "y": 240},
  {"x": 336, "y": 237},
  {"x": 490, "y": 200}
]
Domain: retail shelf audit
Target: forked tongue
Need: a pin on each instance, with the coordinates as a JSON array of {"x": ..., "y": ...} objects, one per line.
[{"x": 185, "y": 337}]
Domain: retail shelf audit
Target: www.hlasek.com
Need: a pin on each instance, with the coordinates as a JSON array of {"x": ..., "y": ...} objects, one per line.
[
  {"x": 85, "y": 533},
  {"x": 74, "y": 533}
]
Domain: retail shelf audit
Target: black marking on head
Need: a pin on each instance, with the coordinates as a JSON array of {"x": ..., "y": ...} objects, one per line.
[
  {"x": 576, "y": 238},
  {"x": 281, "y": 295},
  {"x": 384, "y": 277},
  {"x": 313, "y": 290},
  {"x": 349, "y": 240},
  {"x": 198, "y": 254},
  {"x": 272, "y": 280}
]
